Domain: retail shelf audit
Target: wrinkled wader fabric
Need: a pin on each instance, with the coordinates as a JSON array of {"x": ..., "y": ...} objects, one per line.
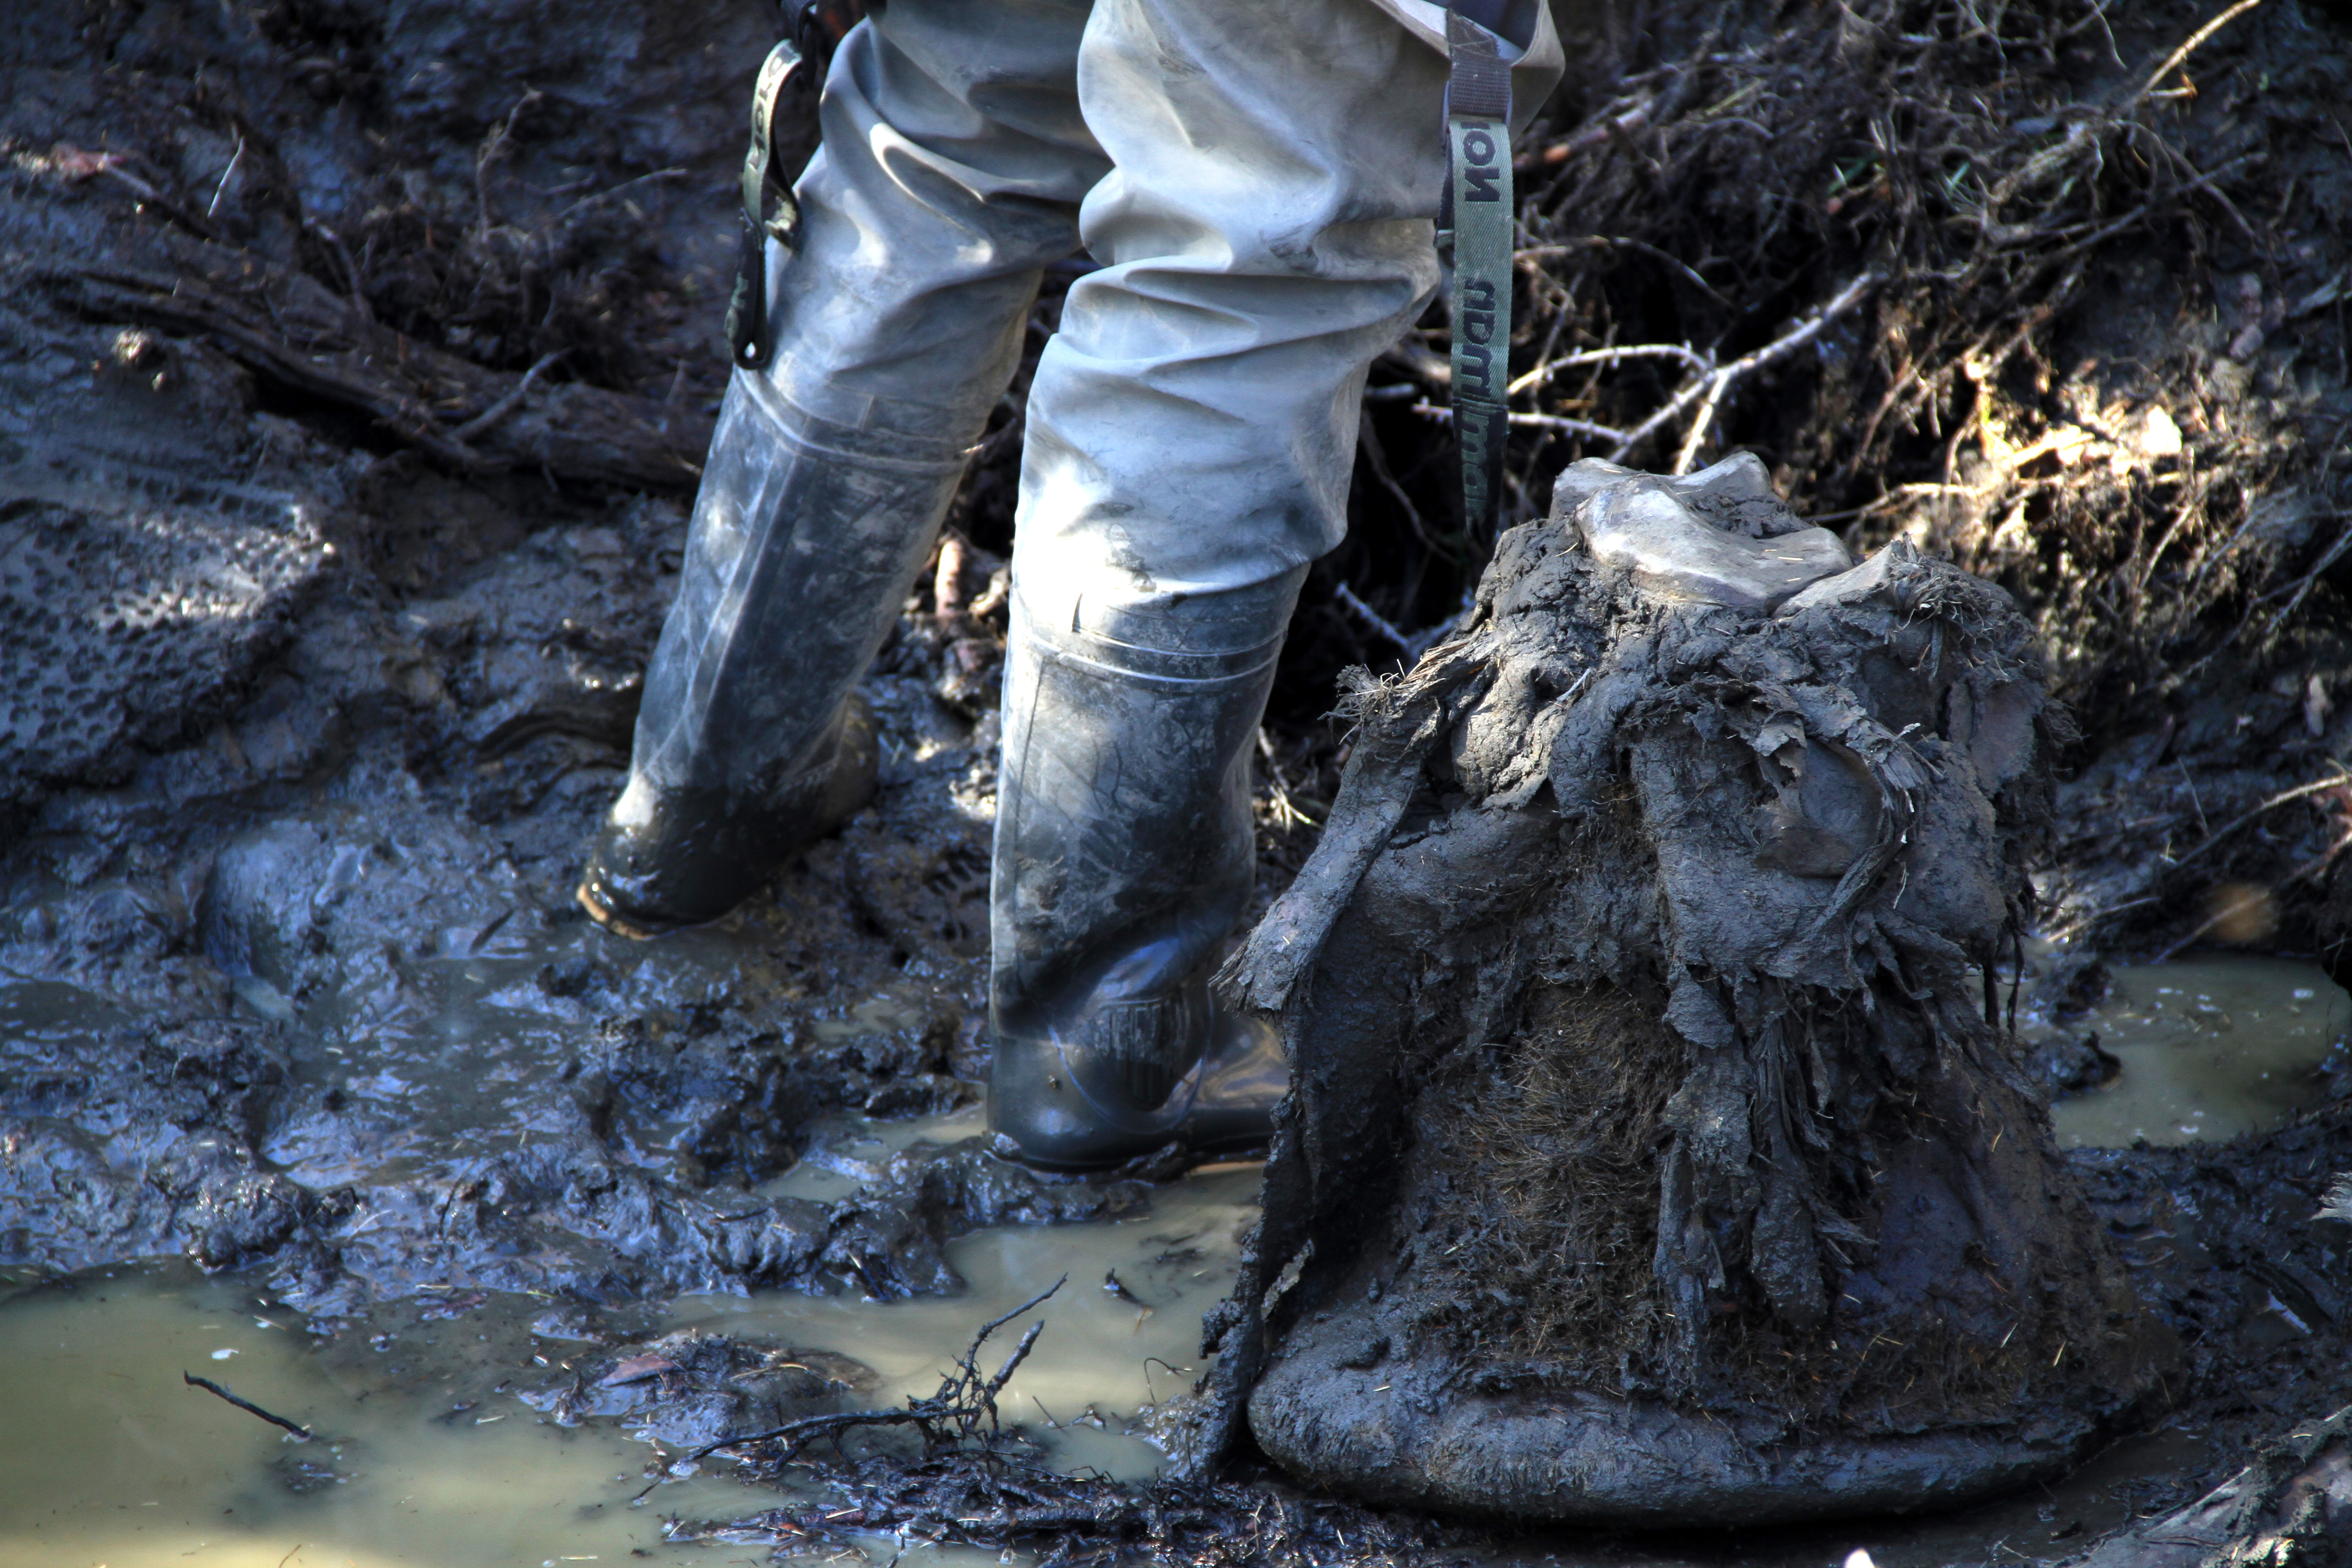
[{"x": 1258, "y": 183}]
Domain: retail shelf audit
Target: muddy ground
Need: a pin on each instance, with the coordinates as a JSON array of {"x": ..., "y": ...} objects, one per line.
[{"x": 355, "y": 359}]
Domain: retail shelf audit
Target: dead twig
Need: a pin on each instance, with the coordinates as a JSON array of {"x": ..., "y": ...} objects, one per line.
[
  {"x": 1610, "y": 357},
  {"x": 2284, "y": 797},
  {"x": 949, "y": 1419},
  {"x": 2195, "y": 41},
  {"x": 481, "y": 423},
  {"x": 235, "y": 159},
  {"x": 295, "y": 330},
  {"x": 1376, "y": 457},
  {"x": 1715, "y": 386},
  {"x": 247, "y": 1405},
  {"x": 493, "y": 147},
  {"x": 1559, "y": 421}
]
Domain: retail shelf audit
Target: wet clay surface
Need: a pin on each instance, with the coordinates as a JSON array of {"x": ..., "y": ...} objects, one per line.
[
  {"x": 317, "y": 672},
  {"x": 312, "y": 987},
  {"x": 306, "y": 734}
]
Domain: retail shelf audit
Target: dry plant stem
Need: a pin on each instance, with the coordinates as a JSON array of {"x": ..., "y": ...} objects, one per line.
[
  {"x": 1607, "y": 357},
  {"x": 1368, "y": 441},
  {"x": 187, "y": 304},
  {"x": 585, "y": 203},
  {"x": 493, "y": 146},
  {"x": 1354, "y": 605},
  {"x": 2195, "y": 41},
  {"x": 236, "y": 159},
  {"x": 1721, "y": 381},
  {"x": 1532, "y": 422},
  {"x": 481, "y": 423},
  {"x": 949, "y": 1419},
  {"x": 299, "y": 333},
  {"x": 2316, "y": 786}
]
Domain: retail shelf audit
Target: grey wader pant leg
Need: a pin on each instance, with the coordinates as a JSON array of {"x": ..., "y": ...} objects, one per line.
[
  {"x": 1266, "y": 231},
  {"x": 953, "y": 162}
]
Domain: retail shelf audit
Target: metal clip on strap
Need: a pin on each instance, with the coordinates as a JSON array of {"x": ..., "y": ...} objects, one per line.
[
  {"x": 1479, "y": 137},
  {"x": 746, "y": 308}
]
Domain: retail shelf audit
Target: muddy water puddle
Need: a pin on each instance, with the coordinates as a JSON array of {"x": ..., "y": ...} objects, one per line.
[
  {"x": 426, "y": 1451},
  {"x": 2204, "y": 1049},
  {"x": 111, "y": 1459}
]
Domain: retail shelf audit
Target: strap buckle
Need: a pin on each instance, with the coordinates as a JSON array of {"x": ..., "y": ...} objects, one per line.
[{"x": 747, "y": 340}]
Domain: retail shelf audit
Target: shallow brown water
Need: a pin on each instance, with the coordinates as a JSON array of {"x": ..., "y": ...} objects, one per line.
[
  {"x": 128, "y": 1467},
  {"x": 123, "y": 1465},
  {"x": 2212, "y": 1047}
]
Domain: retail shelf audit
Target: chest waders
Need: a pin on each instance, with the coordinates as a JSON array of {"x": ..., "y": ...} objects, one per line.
[
  {"x": 806, "y": 536},
  {"x": 952, "y": 173},
  {"x": 1125, "y": 848}
]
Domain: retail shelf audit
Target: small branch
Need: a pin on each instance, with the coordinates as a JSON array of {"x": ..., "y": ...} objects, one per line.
[
  {"x": 1562, "y": 423},
  {"x": 341, "y": 355},
  {"x": 607, "y": 196},
  {"x": 962, "y": 1401},
  {"x": 1688, "y": 453},
  {"x": 1445, "y": 415},
  {"x": 2196, "y": 41},
  {"x": 1714, "y": 387},
  {"x": 993, "y": 1324},
  {"x": 1373, "y": 621},
  {"x": 2316, "y": 787},
  {"x": 1012, "y": 1364},
  {"x": 249, "y": 1407},
  {"x": 492, "y": 148},
  {"x": 357, "y": 290},
  {"x": 1682, "y": 351},
  {"x": 799, "y": 1435},
  {"x": 507, "y": 404},
  {"x": 212, "y": 208},
  {"x": 1597, "y": 134},
  {"x": 1416, "y": 360},
  {"x": 1368, "y": 440}
]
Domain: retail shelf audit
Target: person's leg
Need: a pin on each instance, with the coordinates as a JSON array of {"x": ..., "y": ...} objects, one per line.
[
  {"x": 1266, "y": 230},
  {"x": 953, "y": 162}
]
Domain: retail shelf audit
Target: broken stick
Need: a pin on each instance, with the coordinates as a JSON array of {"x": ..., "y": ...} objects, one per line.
[{"x": 247, "y": 1405}]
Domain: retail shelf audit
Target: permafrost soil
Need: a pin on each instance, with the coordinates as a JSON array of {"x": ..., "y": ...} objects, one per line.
[
  {"x": 1685, "y": 1176},
  {"x": 324, "y": 625}
]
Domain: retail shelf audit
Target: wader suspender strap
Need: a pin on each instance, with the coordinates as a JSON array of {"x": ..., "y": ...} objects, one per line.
[
  {"x": 1478, "y": 188},
  {"x": 747, "y": 308}
]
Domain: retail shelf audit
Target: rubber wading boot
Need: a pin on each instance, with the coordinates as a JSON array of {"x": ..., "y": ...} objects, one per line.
[
  {"x": 1124, "y": 858},
  {"x": 806, "y": 538}
]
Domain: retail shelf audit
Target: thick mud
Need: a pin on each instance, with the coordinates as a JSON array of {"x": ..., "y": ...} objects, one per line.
[
  {"x": 1686, "y": 1176},
  {"x": 325, "y": 593}
]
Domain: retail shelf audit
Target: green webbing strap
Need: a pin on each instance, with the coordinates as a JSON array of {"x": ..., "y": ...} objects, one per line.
[
  {"x": 747, "y": 308},
  {"x": 1478, "y": 134}
]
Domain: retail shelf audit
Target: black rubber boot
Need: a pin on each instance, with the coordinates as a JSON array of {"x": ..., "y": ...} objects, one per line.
[
  {"x": 806, "y": 538},
  {"x": 1125, "y": 855}
]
